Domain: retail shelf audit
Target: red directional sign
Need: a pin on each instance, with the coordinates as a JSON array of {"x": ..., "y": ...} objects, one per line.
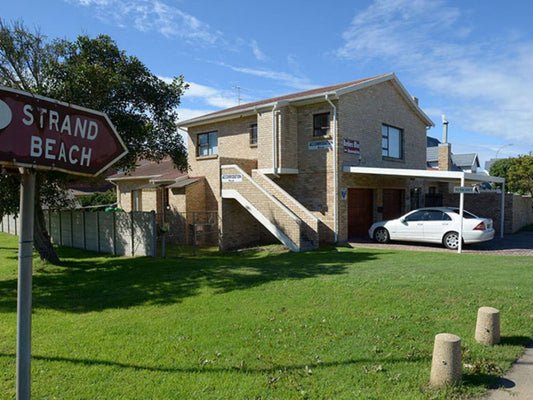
[{"x": 42, "y": 133}]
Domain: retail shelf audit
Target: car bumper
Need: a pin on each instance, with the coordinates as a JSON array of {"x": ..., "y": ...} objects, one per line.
[{"x": 478, "y": 236}]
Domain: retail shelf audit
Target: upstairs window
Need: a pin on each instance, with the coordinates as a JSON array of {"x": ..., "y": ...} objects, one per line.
[
  {"x": 321, "y": 124},
  {"x": 207, "y": 144},
  {"x": 253, "y": 135},
  {"x": 391, "y": 142}
]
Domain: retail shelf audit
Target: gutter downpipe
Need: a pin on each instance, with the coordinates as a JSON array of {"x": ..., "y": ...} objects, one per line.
[
  {"x": 119, "y": 202},
  {"x": 274, "y": 142},
  {"x": 335, "y": 172}
]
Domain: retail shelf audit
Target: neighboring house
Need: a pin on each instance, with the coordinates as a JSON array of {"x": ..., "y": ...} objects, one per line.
[
  {"x": 159, "y": 186},
  {"x": 458, "y": 162},
  {"x": 272, "y": 172}
]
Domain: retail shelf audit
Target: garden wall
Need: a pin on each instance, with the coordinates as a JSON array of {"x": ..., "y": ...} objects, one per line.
[
  {"x": 118, "y": 233},
  {"x": 518, "y": 209}
]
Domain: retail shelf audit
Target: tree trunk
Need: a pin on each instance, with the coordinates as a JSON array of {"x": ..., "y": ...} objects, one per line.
[{"x": 41, "y": 238}]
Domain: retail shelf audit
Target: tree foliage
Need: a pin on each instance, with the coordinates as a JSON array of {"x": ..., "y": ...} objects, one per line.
[
  {"x": 92, "y": 73},
  {"x": 99, "y": 199},
  {"x": 520, "y": 175},
  {"x": 500, "y": 168},
  {"x": 517, "y": 171}
]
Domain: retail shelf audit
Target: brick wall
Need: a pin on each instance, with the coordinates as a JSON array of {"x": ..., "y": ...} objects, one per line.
[
  {"x": 522, "y": 212},
  {"x": 361, "y": 115},
  {"x": 518, "y": 209}
]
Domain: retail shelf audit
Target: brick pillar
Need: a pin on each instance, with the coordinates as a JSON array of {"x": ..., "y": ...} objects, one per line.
[{"x": 445, "y": 157}]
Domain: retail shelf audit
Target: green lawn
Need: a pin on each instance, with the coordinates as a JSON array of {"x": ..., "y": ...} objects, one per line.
[{"x": 331, "y": 324}]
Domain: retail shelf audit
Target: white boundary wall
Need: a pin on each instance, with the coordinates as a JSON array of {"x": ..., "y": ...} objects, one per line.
[{"x": 117, "y": 233}]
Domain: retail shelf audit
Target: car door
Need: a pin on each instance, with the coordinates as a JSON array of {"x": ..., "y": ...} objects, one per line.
[
  {"x": 411, "y": 227},
  {"x": 436, "y": 224}
]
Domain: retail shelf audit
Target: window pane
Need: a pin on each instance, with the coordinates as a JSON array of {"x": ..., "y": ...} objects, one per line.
[
  {"x": 417, "y": 216},
  {"x": 253, "y": 134},
  {"x": 208, "y": 143},
  {"x": 394, "y": 143},
  {"x": 391, "y": 142},
  {"x": 320, "y": 124},
  {"x": 213, "y": 143}
]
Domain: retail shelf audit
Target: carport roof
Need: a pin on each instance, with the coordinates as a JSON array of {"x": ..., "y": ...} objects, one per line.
[
  {"x": 445, "y": 176},
  {"x": 439, "y": 176}
]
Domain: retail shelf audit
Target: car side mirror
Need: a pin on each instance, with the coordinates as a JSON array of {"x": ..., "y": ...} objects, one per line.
[{"x": 402, "y": 220}]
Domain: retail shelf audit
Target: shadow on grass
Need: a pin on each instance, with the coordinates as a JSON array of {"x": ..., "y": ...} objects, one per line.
[
  {"x": 93, "y": 282},
  {"x": 217, "y": 369}
]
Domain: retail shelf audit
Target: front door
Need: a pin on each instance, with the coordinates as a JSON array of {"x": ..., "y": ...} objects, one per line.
[
  {"x": 392, "y": 203},
  {"x": 360, "y": 211}
]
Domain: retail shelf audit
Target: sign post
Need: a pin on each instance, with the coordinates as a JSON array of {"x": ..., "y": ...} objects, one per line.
[
  {"x": 25, "y": 265},
  {"x": 40, "y": 134},
  {"x": 462, "y": 190}
]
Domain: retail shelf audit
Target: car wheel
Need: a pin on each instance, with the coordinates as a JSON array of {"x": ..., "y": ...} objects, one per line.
[
  {"x": 381, "y": 235},
  {"x": 451, "y": 240}
]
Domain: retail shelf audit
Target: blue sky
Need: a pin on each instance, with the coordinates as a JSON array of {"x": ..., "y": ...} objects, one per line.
[{"x": 471, "y": 60}]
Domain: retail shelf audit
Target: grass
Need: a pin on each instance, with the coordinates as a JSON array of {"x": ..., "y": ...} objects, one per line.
[{"x": 337, "y": 323}]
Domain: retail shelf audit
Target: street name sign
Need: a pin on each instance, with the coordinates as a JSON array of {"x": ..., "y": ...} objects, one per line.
[
  {"x": 45, "y": 134},
  {"x": 465, "y": 189}
]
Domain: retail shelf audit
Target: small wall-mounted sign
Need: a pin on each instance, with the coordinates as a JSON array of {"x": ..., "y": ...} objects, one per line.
[
  {"x": 321, "y": 144},
  {"x": 231, "y": 178},
  {"x": 466, "y": 189},
  {"x": 351, "y": 146},
  {"x": 344, "y": 193}
]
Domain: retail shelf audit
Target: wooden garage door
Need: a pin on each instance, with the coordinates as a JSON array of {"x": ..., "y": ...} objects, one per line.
[
  {"x": 392, "y": 203},
  {"x": 360, "y": 215}
]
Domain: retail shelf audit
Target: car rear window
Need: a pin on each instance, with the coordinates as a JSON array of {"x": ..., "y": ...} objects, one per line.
[{"x": 466, "y": 214}]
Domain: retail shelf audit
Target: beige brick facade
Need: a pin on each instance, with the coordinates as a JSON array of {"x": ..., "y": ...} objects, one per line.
[{"x": 301, "y": 164}]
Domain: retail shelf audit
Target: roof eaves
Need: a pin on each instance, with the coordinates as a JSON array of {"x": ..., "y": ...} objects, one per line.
[
  {"x": 130, "y": 177},
  {"x": 294, "y": 98}
]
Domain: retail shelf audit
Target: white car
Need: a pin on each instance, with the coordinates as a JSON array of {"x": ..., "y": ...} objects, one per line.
[{"x": 434, "y": 225}]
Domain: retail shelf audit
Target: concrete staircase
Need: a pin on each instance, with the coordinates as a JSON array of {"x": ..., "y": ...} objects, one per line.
[{"x": 288, "y": 220}]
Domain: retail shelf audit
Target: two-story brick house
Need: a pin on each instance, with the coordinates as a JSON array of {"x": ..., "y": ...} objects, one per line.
[{"x": 281, "y": 168}]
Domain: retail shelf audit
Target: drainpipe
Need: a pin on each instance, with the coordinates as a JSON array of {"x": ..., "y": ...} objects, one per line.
[
  {"x": 119, "y": 198},
  {"x": 274, "y": 142},
  {"x": 335, "y": 172}
]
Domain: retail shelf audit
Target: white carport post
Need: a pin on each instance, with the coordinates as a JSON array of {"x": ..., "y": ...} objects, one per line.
[
  {"x": 461, "y": 209},
  {"x": 502, "y": 220}
]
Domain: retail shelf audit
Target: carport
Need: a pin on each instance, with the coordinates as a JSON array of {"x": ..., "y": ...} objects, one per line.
[{"x": 461, "y": 178}]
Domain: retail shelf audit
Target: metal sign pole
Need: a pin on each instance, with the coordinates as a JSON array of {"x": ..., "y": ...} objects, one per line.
[
  {"x": 27, "y": 200},
  {"x": 461, "y": 211}
]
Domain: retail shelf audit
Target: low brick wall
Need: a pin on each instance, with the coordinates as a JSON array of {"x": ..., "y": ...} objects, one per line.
[{"x": 518, "y": 209}]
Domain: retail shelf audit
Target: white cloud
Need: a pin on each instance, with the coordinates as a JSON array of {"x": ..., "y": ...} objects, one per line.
[
  {"x": 485, "y": 86},
  {"x": 282, "y": 77},
  {"x": 259, "y": 55},
  {"x": 153, "y": 15},
  {"x": 211, "y": 96}
]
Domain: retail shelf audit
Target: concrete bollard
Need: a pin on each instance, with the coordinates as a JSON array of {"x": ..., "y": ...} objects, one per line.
[
  {"x": 488, "y": 326},
  {"x": 446, "y": 366}
]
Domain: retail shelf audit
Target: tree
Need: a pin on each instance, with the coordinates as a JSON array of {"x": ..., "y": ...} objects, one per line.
[
  {"x": 520, "y": 175},
  {"x": 500, "y": 168},
  {"x": 96, "y": 74},
  {"x": 99, "y": 199}
]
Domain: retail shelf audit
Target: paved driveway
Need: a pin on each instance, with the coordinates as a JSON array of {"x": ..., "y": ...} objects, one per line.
[{"x": 518, "y": 244}]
